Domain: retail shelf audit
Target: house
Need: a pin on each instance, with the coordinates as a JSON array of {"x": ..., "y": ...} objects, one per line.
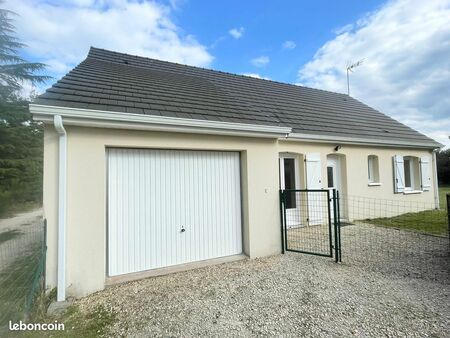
[{"x": 151, "y": 164}]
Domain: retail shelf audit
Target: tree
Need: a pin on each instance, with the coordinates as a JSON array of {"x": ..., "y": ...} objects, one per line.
[
  {"x": 14, "y": 70},
  {"x": 20, "y": 137},
  {"x": 443, "y": 166}
]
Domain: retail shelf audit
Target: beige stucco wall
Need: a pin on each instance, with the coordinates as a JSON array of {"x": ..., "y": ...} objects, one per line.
[
  {"x": 86, "y": 195},
  {"x": 356, "y": 188},
  {"x": 86, "y": 190}
]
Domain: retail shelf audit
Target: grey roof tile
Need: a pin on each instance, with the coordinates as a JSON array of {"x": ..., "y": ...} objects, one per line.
[
  {"x": 133, "y": 110},
  {"x": 103, "y": 81}
]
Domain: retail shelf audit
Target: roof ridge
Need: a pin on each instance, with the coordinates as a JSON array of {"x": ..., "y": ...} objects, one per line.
[{"x": 92, "y": 48}]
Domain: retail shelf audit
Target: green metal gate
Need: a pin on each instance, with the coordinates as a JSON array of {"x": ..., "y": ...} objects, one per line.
[{"x": 310, "y": 222}]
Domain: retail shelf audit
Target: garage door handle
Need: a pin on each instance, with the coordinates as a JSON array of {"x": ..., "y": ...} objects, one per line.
[{"x": 183, "y": 229}]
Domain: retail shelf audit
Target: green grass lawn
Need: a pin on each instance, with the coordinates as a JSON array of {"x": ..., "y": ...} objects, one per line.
[{"x": 429, "y": 221}]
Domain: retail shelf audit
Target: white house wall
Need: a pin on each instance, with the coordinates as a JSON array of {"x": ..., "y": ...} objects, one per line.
[
  {"x": 87, "y": 189},
  {"x": 356, "y": 184}
]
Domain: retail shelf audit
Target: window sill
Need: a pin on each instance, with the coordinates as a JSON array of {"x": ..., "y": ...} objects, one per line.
[
  {"x": 412, "y": 192},
  {"x": 374, "y": 184}
]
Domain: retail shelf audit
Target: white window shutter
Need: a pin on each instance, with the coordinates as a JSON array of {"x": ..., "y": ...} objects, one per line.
[
  {"x": 425, "y": 173},
  {"x": 313, "y": 171},
  {"x": 399, "y": 174}
]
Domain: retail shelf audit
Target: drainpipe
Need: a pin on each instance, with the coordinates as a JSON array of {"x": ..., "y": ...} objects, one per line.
[
  {"x": 436, "y": 183},
  {"x": 61, "y": 286}
]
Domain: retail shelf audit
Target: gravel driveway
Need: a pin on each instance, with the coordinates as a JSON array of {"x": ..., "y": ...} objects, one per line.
[
  {"x": 284, "y": 295},
  {"x": 20, "y": 220},
  {"x": 27, "y": 227}
]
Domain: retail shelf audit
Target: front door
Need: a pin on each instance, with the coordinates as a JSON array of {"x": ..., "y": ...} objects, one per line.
[{"x": 289, "y": 180}]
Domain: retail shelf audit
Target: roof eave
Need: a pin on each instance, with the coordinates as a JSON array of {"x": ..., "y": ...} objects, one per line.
[
  {"x": 362, "y": 141},
  {"x": 122, "y": 120}
]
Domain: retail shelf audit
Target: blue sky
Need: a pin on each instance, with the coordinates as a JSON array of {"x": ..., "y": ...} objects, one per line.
[
  {"x": 266, "y": 26},
  {"x": 405, "y": 44}
]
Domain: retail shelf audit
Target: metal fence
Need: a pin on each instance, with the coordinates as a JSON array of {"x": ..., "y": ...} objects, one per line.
[
  {"x": 389, "y": 236},
  {"x": 22, "y": 271},
  {"x": 395, "y": 236}
]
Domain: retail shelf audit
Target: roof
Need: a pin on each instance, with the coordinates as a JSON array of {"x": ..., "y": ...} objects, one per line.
[{"x": 117, "y": 82}]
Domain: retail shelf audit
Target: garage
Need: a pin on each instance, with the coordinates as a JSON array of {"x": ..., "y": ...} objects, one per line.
[{"x": 170, "y": 207}]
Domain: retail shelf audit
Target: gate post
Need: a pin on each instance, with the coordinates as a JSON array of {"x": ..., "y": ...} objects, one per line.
[
  {"x": 330, "y": 229},
  {"x": 282, "y": 220},
  {"x": 338, "y": 225},
  {"x": 336, "y": 245},
  {"x": 448, "y": 216}
]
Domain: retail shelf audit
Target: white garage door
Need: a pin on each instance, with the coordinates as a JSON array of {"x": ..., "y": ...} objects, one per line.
[{"x": 168, "y": 207}]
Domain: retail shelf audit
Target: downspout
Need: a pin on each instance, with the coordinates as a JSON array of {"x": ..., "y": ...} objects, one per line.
[
  {"x": 62, "y": 182},
  {"x": 436, "y": 183}
]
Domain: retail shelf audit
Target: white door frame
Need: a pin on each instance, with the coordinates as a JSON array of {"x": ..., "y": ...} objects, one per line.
[{"x": 293, "y": 218}]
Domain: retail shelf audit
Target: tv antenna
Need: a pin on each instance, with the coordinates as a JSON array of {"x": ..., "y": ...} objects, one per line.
[{"x": 350, "y": 68}]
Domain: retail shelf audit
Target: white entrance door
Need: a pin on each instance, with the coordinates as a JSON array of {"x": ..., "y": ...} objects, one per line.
[
  {"x": 333, "y": 177},
  {"x": 316, "y": 201},
  {"x": 289, "y": 180},
  {"x": 169, "y": 207}
]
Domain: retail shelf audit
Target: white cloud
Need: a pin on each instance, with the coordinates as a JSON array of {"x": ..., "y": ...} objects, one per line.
[
  {"x": 255, "y": 75},
  {"x": 344, "y": 29},
  {"x": 260, "y": 61},
  {"x": 217, "y": 42},
  {"x": 406, "y": 72},
  {"x": 176, "y": 4},
  {"x": 289, "y": 44},
  {"x": 236, "y": 32},
  {"x": 60, "y": 33}
]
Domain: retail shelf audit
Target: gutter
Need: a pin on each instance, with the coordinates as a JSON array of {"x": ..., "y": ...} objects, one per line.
[
  {"x": 62, "y": 185},
  {"x": 120, "y": 120},
  {"x": 360, "y": 141}
]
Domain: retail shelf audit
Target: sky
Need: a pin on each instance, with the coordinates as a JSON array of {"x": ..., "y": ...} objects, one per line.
[{"x": 404, "y": 44}]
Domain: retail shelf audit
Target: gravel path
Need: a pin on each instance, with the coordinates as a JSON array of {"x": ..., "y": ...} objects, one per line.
[
  {"x": 21, "y": 220},
  {"x": 286, "y": 295},
  {"x": 28, "y": 230}
]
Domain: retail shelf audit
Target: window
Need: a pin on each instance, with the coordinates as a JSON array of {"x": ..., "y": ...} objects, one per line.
[
  {"x": 373, "y": 172},
  {"x": 412, "y": 173},
  {"x": 330, "y": 177},
  {"x": 407, "y": 166}
]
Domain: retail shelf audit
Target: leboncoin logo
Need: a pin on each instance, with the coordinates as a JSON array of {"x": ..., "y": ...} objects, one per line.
[{"x": 21, "y": 326}]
